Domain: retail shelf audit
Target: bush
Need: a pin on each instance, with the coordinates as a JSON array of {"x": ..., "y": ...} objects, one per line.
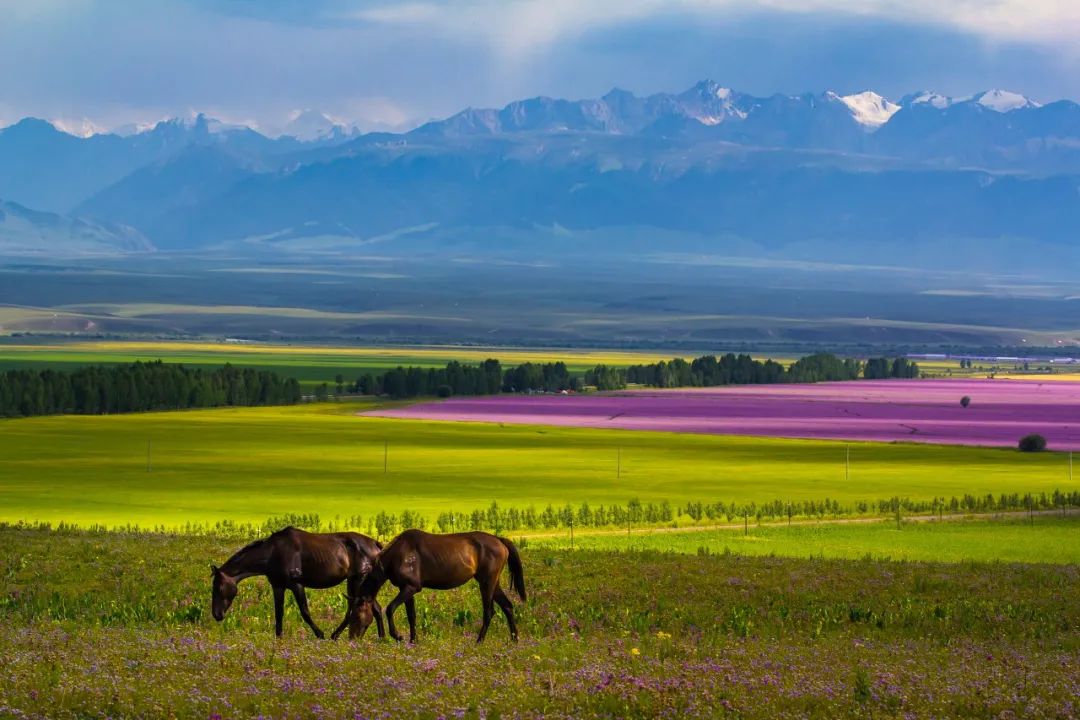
[
  {"x": 444, "y": 391},
  {"x": 1032, "y": 443},
  {"x": 965, "y": 401}
]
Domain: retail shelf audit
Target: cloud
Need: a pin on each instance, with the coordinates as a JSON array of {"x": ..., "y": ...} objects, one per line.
[{"x": 524, "y": 25}]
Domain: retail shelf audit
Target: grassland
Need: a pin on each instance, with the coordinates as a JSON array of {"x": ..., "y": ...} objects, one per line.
[
  {"x": 113, "y": 624},
  {"x": 1043, "y": 539},
  {"x": 246, "y": 464}
]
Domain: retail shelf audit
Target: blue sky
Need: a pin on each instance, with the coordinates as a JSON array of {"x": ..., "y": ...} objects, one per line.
[{"x": 392, "y": 65}]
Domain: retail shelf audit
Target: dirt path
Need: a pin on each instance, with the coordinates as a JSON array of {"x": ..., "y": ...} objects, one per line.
[{"x": 564, "y": 532}]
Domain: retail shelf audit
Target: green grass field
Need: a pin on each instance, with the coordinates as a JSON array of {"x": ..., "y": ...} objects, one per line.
[
  {"x": 1045, "y": 539},
  {"x": 245, "y": 464}
]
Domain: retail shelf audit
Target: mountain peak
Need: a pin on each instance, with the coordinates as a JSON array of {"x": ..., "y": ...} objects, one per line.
[
  {"x": 1003, "y": 100},
  {"x": 926, "y": 97},
  {"x": 308, "y": 125},
  {"x": 869, "y": 109}
]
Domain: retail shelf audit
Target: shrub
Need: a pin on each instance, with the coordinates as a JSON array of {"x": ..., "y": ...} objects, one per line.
[
  {"x": 444, "y": 391},
  {"x": 965, "y": 401},
  {"x": 1032, "y": 443}
]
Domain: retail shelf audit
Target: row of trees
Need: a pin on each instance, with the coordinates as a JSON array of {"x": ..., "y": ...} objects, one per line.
[
  {"x": 487, "y": 378},
  {"x": 139, "y": 387},
  {"x": 882, "y": 368},
  {"x": 499, "y": 519},
  {"x": 731, "y": 369}
]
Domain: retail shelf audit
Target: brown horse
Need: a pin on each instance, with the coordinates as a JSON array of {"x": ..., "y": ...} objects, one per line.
[
  {"x": 292, "y": 559},
  {"x": 415, "y": 560}
]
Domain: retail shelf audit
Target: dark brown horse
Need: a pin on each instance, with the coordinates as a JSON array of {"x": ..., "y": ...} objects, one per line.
[
  {"x": 293, "y": 559},
  {"x": 415, "y": 560}
]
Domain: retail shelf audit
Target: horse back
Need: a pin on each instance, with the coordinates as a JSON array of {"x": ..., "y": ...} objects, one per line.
[{"x": 446, "y": 561}]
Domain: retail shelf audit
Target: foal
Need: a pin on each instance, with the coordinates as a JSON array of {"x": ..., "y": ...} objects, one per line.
[
  {"x": 292, "y": 559},
  {"x": 415, "y": 560}
]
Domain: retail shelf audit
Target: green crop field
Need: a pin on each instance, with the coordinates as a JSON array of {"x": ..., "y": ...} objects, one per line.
[{"x": 245, "y": 464}]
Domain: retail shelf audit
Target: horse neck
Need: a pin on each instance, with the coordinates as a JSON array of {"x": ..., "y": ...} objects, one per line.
[{"x": 248, "y": 561}]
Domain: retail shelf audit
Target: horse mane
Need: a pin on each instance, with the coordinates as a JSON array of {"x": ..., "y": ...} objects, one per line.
[{"x": 236, "y": 556}]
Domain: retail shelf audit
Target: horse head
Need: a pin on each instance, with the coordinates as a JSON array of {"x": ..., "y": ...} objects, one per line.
[
  {"x": 223, "y": 593},
  {"x": 362, "y": 618}
]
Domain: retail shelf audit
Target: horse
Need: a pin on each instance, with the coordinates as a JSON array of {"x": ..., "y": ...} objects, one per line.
[
  {"x": 415, "y": 560},
  {"x": 292, "y": 559}
]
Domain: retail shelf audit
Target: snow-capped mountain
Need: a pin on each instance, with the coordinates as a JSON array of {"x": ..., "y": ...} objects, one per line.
[
  {"x": 312, "y": 125},
  {"x": 870, "y": 109},
  {"x": 80, "y": 128},
  {"x": 807, "y": 168},
  {"x": 1001, "y": 101}
]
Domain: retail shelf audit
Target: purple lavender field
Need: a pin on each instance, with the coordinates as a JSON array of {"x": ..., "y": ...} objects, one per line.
[{"x": 929, "y": 411}]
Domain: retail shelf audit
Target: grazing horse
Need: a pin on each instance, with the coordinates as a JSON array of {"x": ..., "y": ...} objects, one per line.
[
  {"x": 415, "y": 560},
  {"x": 292, "y": 559}
]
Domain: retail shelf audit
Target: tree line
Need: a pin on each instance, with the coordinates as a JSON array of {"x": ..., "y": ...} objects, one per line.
[
  {"x": 139, "y": 387},
  {"x": 489, "y": 377},
  {"x": 731, "y": 369}
]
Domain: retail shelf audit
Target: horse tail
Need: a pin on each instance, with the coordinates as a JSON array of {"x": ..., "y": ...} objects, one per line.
[{"x": 517, "y": 574}]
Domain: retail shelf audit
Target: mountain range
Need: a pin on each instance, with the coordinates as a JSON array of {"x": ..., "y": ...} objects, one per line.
[{"x": 980, "y": 179}]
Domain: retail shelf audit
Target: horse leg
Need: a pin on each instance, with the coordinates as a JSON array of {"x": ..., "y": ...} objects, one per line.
[
  {"x": 354, "y": 602},
  {"x": 508, "y": 611},
  {"x": 279, "y": 607},
  {"x": 487, "y": 593},
  {"x": 352, "y": 606},
  {"x": 410, "y": 611},
  {"x": 377, "y": 612},
  {"x": 403, "y": 595},
  {"x": 301, "y": 602}
]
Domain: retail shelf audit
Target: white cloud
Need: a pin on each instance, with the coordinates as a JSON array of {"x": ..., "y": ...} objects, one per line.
[{"x": 523, "y": 26}]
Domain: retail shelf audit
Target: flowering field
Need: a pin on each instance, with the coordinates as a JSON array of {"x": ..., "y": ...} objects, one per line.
[
  {"x": 116, "y": 625},
  {"x": 929, "y": 411}
]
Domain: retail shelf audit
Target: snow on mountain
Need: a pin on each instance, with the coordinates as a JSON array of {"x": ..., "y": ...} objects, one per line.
[
  {"x": 309, "y": 125},
  {"x": 134, "y": 128},
  {"x": 870, "y": 109},
  {"x": 1003, "y": 100},
  {"x": 82, "y": 128},
  {"x": 710, "y": 103},
  {"x": 928, "y": 98}
]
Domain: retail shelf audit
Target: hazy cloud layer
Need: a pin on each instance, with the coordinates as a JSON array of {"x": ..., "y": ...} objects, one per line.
[{"x": 390, "y": 65}]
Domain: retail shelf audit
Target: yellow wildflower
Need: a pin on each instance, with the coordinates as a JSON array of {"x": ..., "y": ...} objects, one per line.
[
  {"x": 635, "y": 651},
  {"x": 661, "y": 635}
]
